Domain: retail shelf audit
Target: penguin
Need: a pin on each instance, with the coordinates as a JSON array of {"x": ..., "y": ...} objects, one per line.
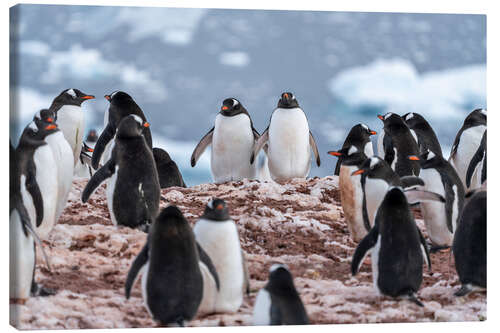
[
  {"x": 133, "y": 192},
  {"x": 84, "y": 169},
  {"x": 279, "y": 303},
  {"x": 232, "y": 138},
  {"x": 217, "y": 234},
  {"x": 467, "y": 142},
  {"x": 397, "y": 249},
  {"x": 70, "y": 118},
  {"x": 171, "y": 266},
  {"x": 121, "y": 105},
  {"x": 39, "y": 178},
  {"x": 440, "y": 177},
  {"x": 477, "y": 165},
  {"x": 469, "y": 244},
  {"x": 351, "y": 192},
  {"x": 168, "y": 172},
  {"x": 359, "y": 136},
  {"x": 398, "y": 143},
  {"x": 63, "y": 156},
  {"x": 422, "y": 130},
  {"x": 289, "y": 143}
]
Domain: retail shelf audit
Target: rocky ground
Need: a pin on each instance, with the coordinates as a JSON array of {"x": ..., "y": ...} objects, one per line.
[{"x": 300, "y": 224}]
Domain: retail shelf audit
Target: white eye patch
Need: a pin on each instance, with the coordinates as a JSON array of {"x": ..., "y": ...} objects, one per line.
[
  {"x": 37, "y": 115},
  {"x": 210, "y": 204},
  {"x": 137, "y": 119},
  {"x": 352, "y": 150},
  {"x": 373, "y": 162},
  {"x": 409, "y": 116},
  {"x": 235, "y": 102},
  {"x": 483, "y": 111},
  {"x": 365, "y": 127},
  {"x": 430, "y": 155},
  {"x": 276, "y": 266},
  {"x": 71, "y": 92},
  {"x": 387, "y": 115}
]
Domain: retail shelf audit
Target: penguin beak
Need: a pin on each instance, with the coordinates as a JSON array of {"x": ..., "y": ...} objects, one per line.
[
  {"x": 50, "y": 127},
  {"x": 373, "y": 132},
  {"x": 50, "y": 120},
  {"x": 357, "y": 172},
  {"x": 146, "y": 124},
  {"x": 88, "y": 97},
  {"x": 335, "y": 153},
  {"x": 414, "y": 158},
  {"x": 220, "y": 207},
  {"x": 224, "y": 108},
  {"x": 380, "y": 117},
  {"x": 107, "y": 97},
  {"x": 285, "y": 95},
  {"x": 90, "y": 150}
]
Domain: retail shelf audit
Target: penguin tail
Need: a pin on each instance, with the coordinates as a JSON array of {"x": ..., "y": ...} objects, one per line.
[
  {"x": 412, "y": 298},
  {"x": 463, "y": 291}
]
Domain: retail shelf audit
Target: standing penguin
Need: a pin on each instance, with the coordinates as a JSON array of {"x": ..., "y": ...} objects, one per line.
[
  {"x": 172, "y": 281},
  {"x": 397, "y": 249},
  {"x": 467, "y": 142},
  {"x": 84, "y": 168},
  {"x": 39, "y": 179},
  {"x": 440, "y": 219},
  {"x": 477, "y": 166},
  {"x": 168, "y": 172},
  {"x": 351, "y": 191},
  {"x": 133, "y": 192},
  {"x": 279, "y": 303},
  {"x": 70, "y": 118},
  {"x": 359, "y": 136},
  {"x": 63, "y": 157},
  {"x": 218, "y": 235},
  {"x": 232, "y": 139},
  {"x": 422, "y": 130},
  {"x": 469, "y": 244},
  {"x": 289, "y": 139},
  {"x": 397, "y": 144},
  {"x": 121, "y": 105}
]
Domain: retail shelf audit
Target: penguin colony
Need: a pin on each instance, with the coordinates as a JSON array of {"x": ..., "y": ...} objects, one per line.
[{"x": 202, "y": 270}]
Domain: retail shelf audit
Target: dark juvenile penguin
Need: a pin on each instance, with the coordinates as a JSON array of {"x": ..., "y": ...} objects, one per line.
[
  {"x": 469, "y": 244},
  {"x": 397, "y": 249},
  {"x": 70, "y": 117},
  {"x": 279, "y": 303},
  {"x": 466, "y": 144},
  {"x": 351, "y": 191},
  {"x": 172, "y": 278},
  {"x": 477, "y": 166},
  {"x": 168, "y": 172},
  {"x": 359, "y": 136},
  {"x": 422, "y": 130},
  {"x": 397, "y": 143},
  {"x": 121, "y": 105},
  {"x": 441, "y": 219},
  {"x": 133, "y": 191}
]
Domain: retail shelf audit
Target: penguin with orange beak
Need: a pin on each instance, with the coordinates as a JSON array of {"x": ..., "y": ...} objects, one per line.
[{"x": 359, "y": 136}]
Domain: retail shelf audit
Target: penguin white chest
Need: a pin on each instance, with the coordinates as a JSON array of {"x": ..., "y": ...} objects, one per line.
[
  {"x": 71, "y": 121},
  {"x": 368, "y": 150},
  {"x": 289, "y": 151},
  {"x": 469, "y": 143},
  {"x": 221, "y": 242},
  {"x": 375, "y": 190},
  {"x": 351, "y": 197},
  {"x": 232, "y": 145},
  {"x": 262, "y": 308},
  {"x": 380, "y": 144}
]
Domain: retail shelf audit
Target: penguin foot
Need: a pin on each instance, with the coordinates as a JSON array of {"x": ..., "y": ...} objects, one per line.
[
  {"x": 412, "y": 298},
  {"x": 39, "y": 290},
  {"x": 463, "y": 291}
]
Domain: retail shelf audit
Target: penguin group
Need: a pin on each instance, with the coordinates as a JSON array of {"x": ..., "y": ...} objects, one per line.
[{"x": 188, "y": 271}]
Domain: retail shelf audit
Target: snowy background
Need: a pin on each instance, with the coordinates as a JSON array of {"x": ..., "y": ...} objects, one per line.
[{"x": 179, "y": 64}]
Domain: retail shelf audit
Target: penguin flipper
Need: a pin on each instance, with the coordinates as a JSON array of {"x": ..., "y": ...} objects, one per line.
[
  {"x": 366, "y": 219},
  {"x": 205, "y": 258},
  {"x": 416, "y": 196},
  {"x": 314, "y": 147},
  {"x": 337, "y": 166},
  {"x": 388, "y": 149},
  {"x": 201, "y": 146},
  {"x": 102, "y": 174},
  {"x": 412, "y": 298},
  {"x": 425, "y": 249},
  {"x": 141, "y": 259},
  {"x": 34, "y": 191},
  {"x": 478, "y": 157},
  {"x": 259, "y": 144},
  {"x": 256, "y": 134},
  {"x": 104, "y": 138},
  {"x": 362, "y": 250},
  {"x": 410, "y": 181}
]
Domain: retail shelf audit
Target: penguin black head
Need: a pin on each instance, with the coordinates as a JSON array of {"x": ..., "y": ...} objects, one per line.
[
  {"x": 92, "y": 136},
  {"x": 70, "y": 97},
  {"x": 361, "y": 131},
  {"x": 171, "y": 223},
  {"x": 131, "y": 126},
  {"x": 231, "y": 107},
  {"x": 395, "y": 198},
  {"x": 427, "y": 159},
  {"x": 216, "y": 210},
  {"x": 118, "y": 97},
  {"x": 350, "y": 155},
  {"x": 413, "y": 119},
  {"x": 288, "y": 101},
  {"x": 375, "y": 167},
  {"x": 476, "y": 117},
  {"x": 161, "y": 155},
  {"x": 34, "y": 131},
  {"x": 280, "y": 281},
  {"x": 44, "y": 115}
]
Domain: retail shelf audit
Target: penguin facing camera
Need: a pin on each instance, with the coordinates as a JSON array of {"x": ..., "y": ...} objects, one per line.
[{"x": 359, "y": 136}]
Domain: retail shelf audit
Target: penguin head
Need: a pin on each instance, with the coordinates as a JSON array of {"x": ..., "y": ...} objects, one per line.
[
  {"x": 170, "y": 222},
  {"x": 351, "y": 155},
  {"x": 476, "y": 117},
  {"x": 231, "y": 107},
  {"x": 395, "y": 198},
  {"x": 38, "y": 130},
  {"x": 280, "y": 281},
  {"x": 45, "y": 115},
  {"x": 288, "y": 101},
  {"x": 363, "y": 131},
  {"x": 118, "y": 97},
  {"x": 374, "y": 167},
  {"x": 161, "y": 155},
  {"x": 216, "y": 210},
  {"x": 413, "y": 119},
  {"x": 427, "y": 159},
  {"x": 92, "y": 136},
  {"x": 131, "y": 126},
  {"x": 71, "y": 97}
]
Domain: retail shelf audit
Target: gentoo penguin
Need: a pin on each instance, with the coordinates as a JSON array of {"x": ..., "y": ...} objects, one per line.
[
  {"x": 70, "y": 117},
  {"x": 397, "y": 143},
  {"x": 83, "y": 168},
  {"x": 423, "y": 132},
  {"x": 216, "y": 232},
  {"x": 168, "y": 172},
  {"x": 39, "y": 178},
  {"x": 289, "y": 143},
  {"x": 467, "y": 142},
  {"x": 477, "y": 166},
  {"x": 133, "y": 192},
  {"x": 279, "y": 303},
  {"x": 232, "y": 139},
  {"x": 171, "y": 265},
  {"x": 351, "y": 192},
  {"x": 440, "y": 219},
  {"x": 359, "y": 137},
  {"x": 397, "y": 249},
  {"x": 63, "y": 156},
  {"x": 469, "y": 244},
  {"x": 121, "y": 105}
]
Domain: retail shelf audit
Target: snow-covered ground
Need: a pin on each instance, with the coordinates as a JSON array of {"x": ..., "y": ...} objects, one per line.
[{"x": 300, "y": 224}]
